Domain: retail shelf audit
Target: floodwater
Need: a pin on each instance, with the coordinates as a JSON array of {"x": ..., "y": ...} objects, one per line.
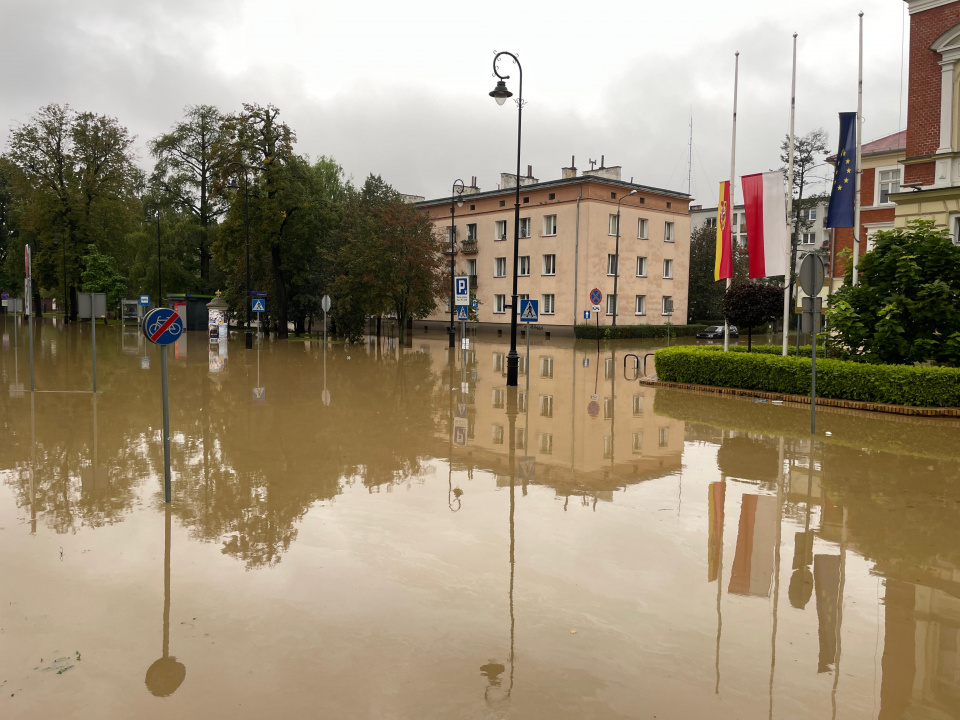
[{"x": 373, "y": 533}]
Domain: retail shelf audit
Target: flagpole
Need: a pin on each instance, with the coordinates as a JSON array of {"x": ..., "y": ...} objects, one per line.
[
  {"x": 789, "y": 245},
  {"x": 856, "y": 194},
  {"x": 733, "y": 203}
]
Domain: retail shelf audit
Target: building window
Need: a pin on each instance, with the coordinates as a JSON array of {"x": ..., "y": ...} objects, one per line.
[
  {"x": 546, "y": 406},
  {"x": 641, "y": 267},
  {"x": 607, "y": 408},
  {"x": 642, "y": 229},
  {"x": 549, "y": 224},
  {"x": 451, "y": 235},
  {"x": 664, "y": 437},
  {"x": 611, "y": 304},
  {"x": 547, "y": 304},
  {"x": 523, "y": 268},
  {"x": 552, "y": 196},
  {"x": 808, "y": 238},
  {"x": 641, "y": 306},
  {"x": 668, "y": 232},
  {"x": 546, "y": 366},
  {"x": 607, "y": 447},
  {"x": 805, "y": 214},
  {"x": 521, "y": 438},
  {"x": 667, "y": 305},
  {"x": 500, "y": 230},
  {"x": 500, "y": 267},
  {"x": 888, "y": 181},
  {"x": 549, "y": 264},
  {"x": 472, "y": 267},
  {"x": 668, "y": 204},
  {"x": 711, "y": 222},
  {"x": 472, "y": 231},
  {"x": 612, "y": 224},
  {"x": 498, "y": 359},
  {"x": 637, "y": 444},
  {"x": 498, "y": 397},
  {"x": 668, "y": 269},
  {"x": 498, "y": 434},
  {"x": 473, "y": 207},
  {"x": 638, "y": 404},
  {"x": 524, "y": 227},
  {"x": 546, "y": 443},
  {"x": 612, "y": 265},
  {"x": 499, "y": 303},
  {"x": 502, "y": 203}
]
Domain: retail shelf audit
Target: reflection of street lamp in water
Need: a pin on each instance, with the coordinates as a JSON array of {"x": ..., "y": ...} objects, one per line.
[{"x": 166, "y": 674}]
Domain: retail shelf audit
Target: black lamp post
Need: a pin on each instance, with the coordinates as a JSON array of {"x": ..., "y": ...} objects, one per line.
[
  {"x": 248, "y": 334},
  {"x": 63, "y": 246},
  {"x": 156, "y": 208},
  {"x": 616, "y": 267},
  {"x": 456, "y": 200},
  {"x": 500, "y": 93}
]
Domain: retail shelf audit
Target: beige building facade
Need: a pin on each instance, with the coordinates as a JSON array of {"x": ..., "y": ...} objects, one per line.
[{"x": 568, "y": 233}]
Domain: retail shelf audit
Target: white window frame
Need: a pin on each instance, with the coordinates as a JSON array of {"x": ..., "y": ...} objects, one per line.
[
  {"x": 808, "y": 238},
  {"x": 472, "y": 267},
  {"x": 612, "y": 264},
  {"x": 521, "y": 261},
  {"x": 548, "y": 304},
  {"x": 640, "y": 305},
  {"x": 643, "y": 229},
  {"x": 612, "y": 225},
  {"x": 499, "y": 230},
  {"x": 668, "y": 268},
  {"x": 663, "y": 304},
  {"x": 636, "y": 442},
  {"x": 546, "y": 443},
  {"x": 876, "y": 183},
  {"x": 549, "y": 268},
  {"x": 638, "y": 405},
  {"x": 549, "y": 225},
  {"x": 546, "y": 406},
  {"x": 497, "y": 433},
  {"x": 611, "y": 303},
  {"x": 641, "y": 266},
  {"x": 525, "y": 227},
  {"x": 497, "y": 267},
  {"x": 546, "y": 366},
  {"x": 669, "y": 232},
  {"x": 471, "y": 232},
  {"x": 499, "y": 304}
]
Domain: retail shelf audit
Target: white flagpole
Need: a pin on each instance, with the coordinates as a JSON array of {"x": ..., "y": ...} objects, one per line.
[
  {"x": 789, "y": 246},
  {"x": 856, "y": 194},
  {"x": 733, "y": 186}
]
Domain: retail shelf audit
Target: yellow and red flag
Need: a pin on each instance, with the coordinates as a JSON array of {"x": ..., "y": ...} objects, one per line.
[{"x": 723, "y": 264}]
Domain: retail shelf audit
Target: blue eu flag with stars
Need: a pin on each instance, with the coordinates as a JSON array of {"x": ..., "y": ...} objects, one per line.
[{"x": 840, "y": 211}]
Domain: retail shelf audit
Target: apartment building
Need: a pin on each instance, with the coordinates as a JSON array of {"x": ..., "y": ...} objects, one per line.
[{"x": 568, "y": 233}]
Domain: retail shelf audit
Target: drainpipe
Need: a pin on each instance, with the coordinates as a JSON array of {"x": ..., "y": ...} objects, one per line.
[{"x": 576, "y": 260}]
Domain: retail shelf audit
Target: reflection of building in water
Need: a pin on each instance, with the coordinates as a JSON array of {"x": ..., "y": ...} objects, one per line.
[
  {"x": 752, "y": 568},
  {"x": 591, "y": 431}
]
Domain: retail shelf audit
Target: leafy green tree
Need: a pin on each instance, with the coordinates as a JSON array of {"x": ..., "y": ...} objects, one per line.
[
  {"x": 752, "y": 304},
  {"x": 905, "y": 308},
  {"x": 808, "y": 153},
  {"x": 100, "y": 276},
  {"x": 705, "y": 293}
]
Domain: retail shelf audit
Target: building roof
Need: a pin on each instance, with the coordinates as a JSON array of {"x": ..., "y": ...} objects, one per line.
[
  {"x": 560, "y": 182},
  {"x": 887, "y": 144}
]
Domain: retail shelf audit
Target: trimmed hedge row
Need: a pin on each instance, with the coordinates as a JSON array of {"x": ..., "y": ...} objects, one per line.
[
  {"x": 805, "y": 350},
  {"x": 917, "y": 386},
  {"x": 585, "y": 331}
]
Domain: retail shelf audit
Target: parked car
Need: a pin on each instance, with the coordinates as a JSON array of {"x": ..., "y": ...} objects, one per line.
[{"x": 715, "y": 332}]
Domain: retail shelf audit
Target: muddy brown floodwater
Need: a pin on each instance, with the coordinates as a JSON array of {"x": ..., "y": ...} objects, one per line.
[{"x": 389, "y": 533}]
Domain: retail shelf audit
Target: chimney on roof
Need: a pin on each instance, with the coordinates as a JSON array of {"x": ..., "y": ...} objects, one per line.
[
  {"x": 569, "y": 172},
  {"x": 472, "y": 188},
  {"x": 529, "y": 171}
]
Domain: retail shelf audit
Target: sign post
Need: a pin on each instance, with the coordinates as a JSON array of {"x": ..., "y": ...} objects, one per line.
[
  {"x": 325, "y": 304},
  {"x": 529, "y": 313},
  {"x": 28, "y": 302},
  {"x": 811, "y": 282},
  {"x": 461, "y": 295},
  {"x": 162, "y": 326}
]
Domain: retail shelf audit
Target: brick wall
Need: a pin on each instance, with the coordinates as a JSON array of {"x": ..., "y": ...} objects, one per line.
[
  {"x": 867, "y": 178},
  {"x": 843, "y": 239}
]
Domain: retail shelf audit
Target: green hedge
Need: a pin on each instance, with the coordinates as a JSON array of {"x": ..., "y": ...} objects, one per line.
[
  {"x": 586, "y": 331},
  {"x": 805, "y": 350},
  {"x": 840, "y": 379}
]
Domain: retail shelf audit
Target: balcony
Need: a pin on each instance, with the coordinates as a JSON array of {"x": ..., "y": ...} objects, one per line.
[
  {"x": 473, "y": 282},
  {"x": 469, "y": 247}
]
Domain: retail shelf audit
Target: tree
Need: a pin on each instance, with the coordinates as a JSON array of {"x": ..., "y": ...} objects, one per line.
[
  {"x": 752, "y": 304},
  {"x": 100, "y": 275},
  {"x": 704, "y": 293},
  {"x": 905, "y": 307},
  {"x": 186, "y": 168},
  {"x": 808, "y": 150}
]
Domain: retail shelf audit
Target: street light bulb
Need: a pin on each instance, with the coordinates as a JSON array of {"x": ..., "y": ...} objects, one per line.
[
  {"x": 459, "y": 202},
  {"x": 632, "y": 192},
  {"x": 233, "y": 184},
  {"x": 500, "y": 93}
]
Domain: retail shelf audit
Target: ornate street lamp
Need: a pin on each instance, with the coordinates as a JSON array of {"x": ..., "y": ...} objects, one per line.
[
  {"x": 233, "y": 185},
  {"x": 456, "y": 200},
  {"x": 616, "y": 268}
]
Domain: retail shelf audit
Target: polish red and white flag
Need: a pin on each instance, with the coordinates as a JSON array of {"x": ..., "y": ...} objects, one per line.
[{"x": 765, "y": 205}]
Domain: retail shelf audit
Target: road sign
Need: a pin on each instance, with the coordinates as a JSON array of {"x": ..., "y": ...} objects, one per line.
[
  {"x": 258, "y": 293},
  {"x": 465, "y": 388},
  {"x": 596, "y": 309},
  {"x": 461, "y": 289},
  {"x": 461, "y": 410},
  {"x": 325, "y": 303},
  {"x": 460, "y": 429},
  {"x": 259, "y": 305},
  {"x": 144, "y": 300},
  {"x": 162, "y": 326},
  {"x": 811, "y": 274},
  {"x": 586, "y": 314},
  {"x": 596, "y": 296},
  {"x": 259, "y": 396},
  {"x": 527, "y": 467},
  {"x": 144, "y": 363},
  {"x": 475, "y": 304},
  {"x": 4, "y": 296},
  {"x": 462, "y": 312},
  {"x": 586, "y": 362},
  {"x": 529, "y": 311},
  {"x": 465, "y": 344},
  {"x": 593, "y": 409}
]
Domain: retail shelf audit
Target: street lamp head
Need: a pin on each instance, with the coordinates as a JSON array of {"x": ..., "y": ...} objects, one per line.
[
  {"x": 632, "y": 192},
  {"x": 500, "y": 93},
  {"x": 233, "y": 184},
  {"x": 459, "y": 201}
]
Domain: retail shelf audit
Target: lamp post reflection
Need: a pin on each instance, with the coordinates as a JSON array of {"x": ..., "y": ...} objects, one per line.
[{"x": 165, "y": 675}]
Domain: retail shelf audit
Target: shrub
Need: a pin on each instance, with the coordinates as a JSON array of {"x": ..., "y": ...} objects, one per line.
[
  {"x": 586, "y": 331},
  {"x": 839, "y": 379}
]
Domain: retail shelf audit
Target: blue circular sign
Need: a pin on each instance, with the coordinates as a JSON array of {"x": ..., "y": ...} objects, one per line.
[
  {"x": 162, "y": 326},
  {"x": 4, "y": 296},
  {"x": 596, "y": 296}
]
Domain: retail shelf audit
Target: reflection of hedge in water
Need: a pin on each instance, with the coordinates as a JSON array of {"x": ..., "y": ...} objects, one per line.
[{"x": 907, "y": 436}]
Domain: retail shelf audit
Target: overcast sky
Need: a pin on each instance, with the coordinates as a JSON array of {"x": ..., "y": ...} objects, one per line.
[{"x": 400, "y": 89}]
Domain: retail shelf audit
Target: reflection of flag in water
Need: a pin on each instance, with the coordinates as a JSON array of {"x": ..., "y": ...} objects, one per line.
[
  {"x": 753, "y": 562},
  {"x": 826, "y": 583},
  {"x": 716, "y": 494}
]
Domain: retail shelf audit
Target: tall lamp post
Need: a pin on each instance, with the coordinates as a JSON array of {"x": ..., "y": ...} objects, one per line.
[
  {"x": 616, "y": 267},
  {"x": 63, "y": 247},
  {"x": 500, "y": 93},
  {"x": 248, "y": 334},
  {"x": 156, "y": 209},
  {"x": 456, "y": 200}
]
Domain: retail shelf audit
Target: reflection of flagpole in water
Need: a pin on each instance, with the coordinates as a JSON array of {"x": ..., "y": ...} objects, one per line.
[
  {"x": 723, "y": 479},
  {"x": 776, "y": 574},
  {"x": 843, "y": 577},
  {"x": 33, "y": 465},
  {"x": 165, "y": 675}
]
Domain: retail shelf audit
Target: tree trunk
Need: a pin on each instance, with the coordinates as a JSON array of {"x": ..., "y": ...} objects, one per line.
[
  {"x": 281, "y": 291},
  {"x": 37, "y": 303}
]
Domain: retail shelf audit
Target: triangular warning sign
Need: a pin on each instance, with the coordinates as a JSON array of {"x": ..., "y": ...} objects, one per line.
[{"x": 529, "y": 313}]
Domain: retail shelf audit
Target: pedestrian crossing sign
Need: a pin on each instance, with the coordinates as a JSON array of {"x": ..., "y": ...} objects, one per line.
[
  {"x": 462, "y": 312},
  {"x": 259, "y": 304},
  {"x": 529, "y": 311}
]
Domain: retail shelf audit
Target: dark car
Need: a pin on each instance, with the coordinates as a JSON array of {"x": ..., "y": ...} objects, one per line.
[{"x": 715, "y": 332}]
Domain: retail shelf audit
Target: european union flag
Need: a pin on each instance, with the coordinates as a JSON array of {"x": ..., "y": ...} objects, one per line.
[{"x": 840, "y": 211}]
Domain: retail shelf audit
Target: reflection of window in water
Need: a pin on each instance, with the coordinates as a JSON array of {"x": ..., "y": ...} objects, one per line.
[
  {"x": 521, "y": 438},
  {"x": 521, "y": 402},
  {"x": 546, "y": 366},
  {"x": 638, "y": 404},
  {"x": 498, "y": 398},
  {"x": 498, "y": 362},
  {"x": 638, "y": 441},
  {"x": 546, "y": 405},
  {"x": 664, "y": 436},
  {"x": 607, "y": 408},
  {"x": 608, "y": 369},
  {"x": 523, "y": 364},
  {"x": 608, "y": 447},
  {"x": 498, "y": 434},
  {"x": 470, "y": 356},
  {"x": 471, "y": 427},
  {"x": 546, "y": 443}
]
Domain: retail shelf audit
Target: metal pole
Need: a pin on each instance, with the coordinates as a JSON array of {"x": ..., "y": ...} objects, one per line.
[
  {"x": 247, "y": 336},
  {"x": 66, "y": 313},
  {"x": 856, "y": 194},
  {"x": 616, "y": 268},
  {"x": 787, "y": 249},
  {"x": 527, "y": 333},
  {"x": 166, "y": 424},
  {"x": 452, "y": 330},
  {"x": 813, "y": 370},
  {"x": 733, "y": 185},
  {"x": 30, "y": 331},
  {"x": 93, "y": 334},
  {"x": 159, "y": 266}
]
